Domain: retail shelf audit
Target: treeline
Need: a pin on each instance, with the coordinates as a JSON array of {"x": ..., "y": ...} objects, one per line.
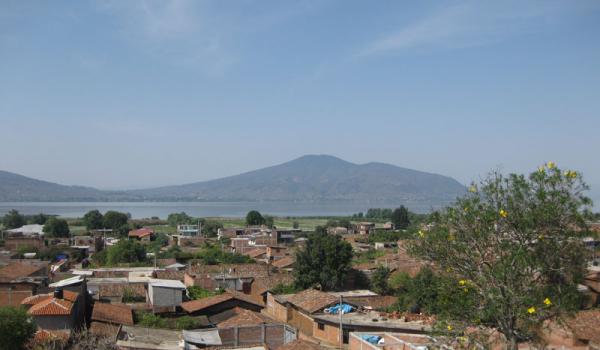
[{"x": 53, "y": 226}]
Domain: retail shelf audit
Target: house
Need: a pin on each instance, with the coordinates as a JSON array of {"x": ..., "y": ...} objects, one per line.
[
  {"x": 188, "y": 230},
  {"x": 140, "y": 338},
  {"x": 249, "y": 337},
  {"x": 13, "y": 243},
  {"x": 143, "y": 234},
  {"x": 245, "y": 317},
  {"x": 28, "y": 230},
  {"x": 19, "y": 280},
  {"x": 165, "y": 295},
  {"x": 257, "y": 253},
  {"x": 219, "y": 303},
  {"x": 61, "y": 310},
  {"x": 300, "y": 344},
  {"x": 230, "y": 232},
  {"x": 388, "y": 341},
  {"x": 389, "y": 226},
  {"x": 276, "y": 252},
  {"x": 286, "y": 263},
  {"x": 107, "y": 318},
  {"x": 225, "y": 276},
  {"x": 261, "y": 285},
  {"x": 365, "y": 228},
  {"x": 337, "y": 230}
]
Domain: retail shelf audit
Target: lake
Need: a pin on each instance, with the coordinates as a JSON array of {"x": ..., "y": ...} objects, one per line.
[{"x": 140, "y": 210}]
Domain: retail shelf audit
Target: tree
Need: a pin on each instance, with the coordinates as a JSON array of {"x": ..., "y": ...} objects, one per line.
[
  {"x": 324, "y": 261},
  {"x": 125, "y": 251},
  {"x": 514, "y": 244},
  {"x": 187, "y": 322},
  {"x": 13, "y": 219},
  {"x": 56, "y": 227},
  {"x": 114, "y": 220},
  {"x": 400, "y": 218},
  {"x": 211, "y": 227},
  {"x": 39, "y": 219},
  {"x": 153, "y": 321},
  {"x": 295, "y": 224},
  {"x": 182, "y": 218},
  {"x": 379, "y": 280},
  {"x": 16, "y": 328},
  {"x": 269, "y": 221},
  {"x": 254, "y": 218},
  {"x": 93, "y": 220}
]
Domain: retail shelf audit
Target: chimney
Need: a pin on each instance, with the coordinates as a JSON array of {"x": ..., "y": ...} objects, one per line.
[{"x": 58, "y": 293}]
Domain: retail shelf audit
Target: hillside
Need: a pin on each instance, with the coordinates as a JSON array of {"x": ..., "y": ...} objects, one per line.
[
  {"x": 312, "y": 178},
  {"x": 319, "y": 178}
]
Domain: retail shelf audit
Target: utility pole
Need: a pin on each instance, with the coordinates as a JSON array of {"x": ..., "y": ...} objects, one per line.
[{"x": 341, "y": 324}]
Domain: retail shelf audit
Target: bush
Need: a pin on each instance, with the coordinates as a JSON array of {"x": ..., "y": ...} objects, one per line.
[
  {"x": 16, "y": 328},
  {"x": 152, "y": 321},
  {"x": 187, "y": 322},
  {"x": 200, "y": 293}
]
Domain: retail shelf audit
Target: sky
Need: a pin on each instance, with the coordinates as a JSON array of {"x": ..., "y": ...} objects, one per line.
[{"x": 132, "y": 94}]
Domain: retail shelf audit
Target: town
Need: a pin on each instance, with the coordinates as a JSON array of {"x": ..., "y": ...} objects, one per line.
[{"x": 187, "y": 283}]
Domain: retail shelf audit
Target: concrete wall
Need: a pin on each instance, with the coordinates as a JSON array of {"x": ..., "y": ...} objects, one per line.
[
  {"x": 161, "y": 296},
  {"x": 330, "y": 334}
]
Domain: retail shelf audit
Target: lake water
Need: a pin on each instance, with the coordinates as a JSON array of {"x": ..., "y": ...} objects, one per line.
[{"x": 200, "y": 209}]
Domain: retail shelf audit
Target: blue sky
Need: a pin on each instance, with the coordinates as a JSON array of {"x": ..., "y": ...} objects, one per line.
[{"x": 120, "y": 94}]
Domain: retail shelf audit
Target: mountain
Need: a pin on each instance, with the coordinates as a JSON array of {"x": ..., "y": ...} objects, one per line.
[
  {"x": 19, "y": 188},
  {"x": 315, "y": 178},
  {"x": 311, "y": 178}
]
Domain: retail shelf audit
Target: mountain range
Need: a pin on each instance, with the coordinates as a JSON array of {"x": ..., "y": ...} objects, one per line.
[{"x": 310, "y": 178}]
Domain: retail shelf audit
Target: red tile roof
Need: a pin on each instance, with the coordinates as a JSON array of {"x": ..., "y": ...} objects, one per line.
[
  {"x": 112, "y": 313},
  {"x": 256, "y": 252},
  {"x": 245, "y": 317},
  {"x": 19, "y": 269},
  {"x": 197, "y": 305},
  {"x": 142, "y": 232},
  {"x": 300, "y": 344},
  {"x": 312, "y": 300},
  {"x": 286, "y": 262},
  {"x": 34, "y": 299},
  {"x": 51, "y": 307},
  {"x": 264, "y": 284}
]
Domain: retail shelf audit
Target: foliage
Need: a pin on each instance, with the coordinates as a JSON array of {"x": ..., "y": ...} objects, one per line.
[
  {"x": 324, "y": 261},
  {"x": 369, "y": 255},
  {"x": 152, "y": 321},
  {"x": 211, "y": 227},
  {"x": 400, "y": 218},
  {"x": 125, "y": 251},
  {"x": 115, "y": 220},
  {"x": 27, "y": 249},
  {"x": 100, "y": 258},
  {"x": 379, "y": 213},
  {"x": 213, "y": 255},
  {"x": 514, "y": 246},
  {"x": 93, "y": 220},
  {"x": 269, "y": 221},
  {"x": 295, "y": 224},
  {"x": 16, "y": 328},
  {"x": 283, "y": 288},
  {"x": 254, "y": 218},
  {"x": 196, "y": 292},
  {"x": 85, "y": 340},
  {"x": 56, "y": 227},
  {"x": 182, "y": 218},
  {"x": 379, "y": 280},
  {"x": 338, "y": 223},
  {"x": 13, "y": 219},
  {"x": 39, "y": 219},
  {"x": 187, "y": 322}
]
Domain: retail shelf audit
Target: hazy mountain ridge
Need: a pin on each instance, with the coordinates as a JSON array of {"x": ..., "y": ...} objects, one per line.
[{"x": 305, "y": 179}]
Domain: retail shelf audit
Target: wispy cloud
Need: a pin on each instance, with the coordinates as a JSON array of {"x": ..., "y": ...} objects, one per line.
[{"x": 469, "y": 24}]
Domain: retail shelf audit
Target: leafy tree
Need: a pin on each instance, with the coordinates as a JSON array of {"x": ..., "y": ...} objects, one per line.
[
  {"x": 211, "y": 227},
  {"x": 282, "y": 288},
  {"x": 13, "y": 219},
  {"x": 16, "y": 328},
  {"x": 254, "y": 218},
  {"x": 56, "y": 227},
  {"x": 153, "y": 321},
  {"x": 400, "y": 218},
  {"x": 324, "y": 261},
  {"x": 182, "y": 218},
  {"x": 125, "y": 251},
  {"x": 93, "y": 220},
  {"x": 379, "y": 280},
  {"x": 514, "y": 243},
  {"x": 269, "y": 221},
  {"x": 115, "y": 220},
  {"x": 295, "y": 224},
  {"x": 39, "y": 219},
  {"x": 187, "y": 322},
  {"x": 196, "y": 292}
]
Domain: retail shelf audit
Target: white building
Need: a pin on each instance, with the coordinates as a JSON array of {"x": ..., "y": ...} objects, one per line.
[
  {"x": 188, "y": 230},
  {"x": 29, "y": 230}
]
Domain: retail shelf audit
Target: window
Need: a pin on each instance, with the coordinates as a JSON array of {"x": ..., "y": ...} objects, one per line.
[{"x": 321, "y": 326}]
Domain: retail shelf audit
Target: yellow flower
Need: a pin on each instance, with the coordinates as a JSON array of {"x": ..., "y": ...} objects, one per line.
[
  {"x": 466, "y": 290},
  {"x": 450, "y": 237},
  {"x": 462, "y": 282},
  {"x": 541, "y": 169},
  {"x": 421, "y": 234},
  {"x": 531, "y": 310},
  {"x": 551, "y": 165},
  {"x": 571, "y": 174},
  {"x": 449, "y": 327},
  {"x": 503, "y": 213},
  {"x": 466, "y": 209},
  {"x": 541, "y": 237},
  {"x": 547, "y": 302},
  {"x": 473, "y": 189}
]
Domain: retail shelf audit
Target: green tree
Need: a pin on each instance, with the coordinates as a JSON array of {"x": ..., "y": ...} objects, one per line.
[
  {"x": 153, "y": 321},
  {"x": 182, "y": 218},
  {"x": 400, "y": 218},
  {"x": 295, "y": 224},
  {"x": 211, "y": 227},
  {"x": 254, "y": 218},
  {"x": 16, "y": 328},
  {"x": 187, "y": 322},
  {"x": 514, "y": 242},
  {"x": 115, "y": 220},
  {"x": 324, "y": 261},
  {"x": 269, "y": 221},
  {"x": 93, "y": 220},
  {"x": 39, "y": 219},
  {"x": 56, "y": 227},
  {"x": 379, "y": 280},
  {"x": 13, "y": 219},
  {"x": 125, "y": 251}
]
